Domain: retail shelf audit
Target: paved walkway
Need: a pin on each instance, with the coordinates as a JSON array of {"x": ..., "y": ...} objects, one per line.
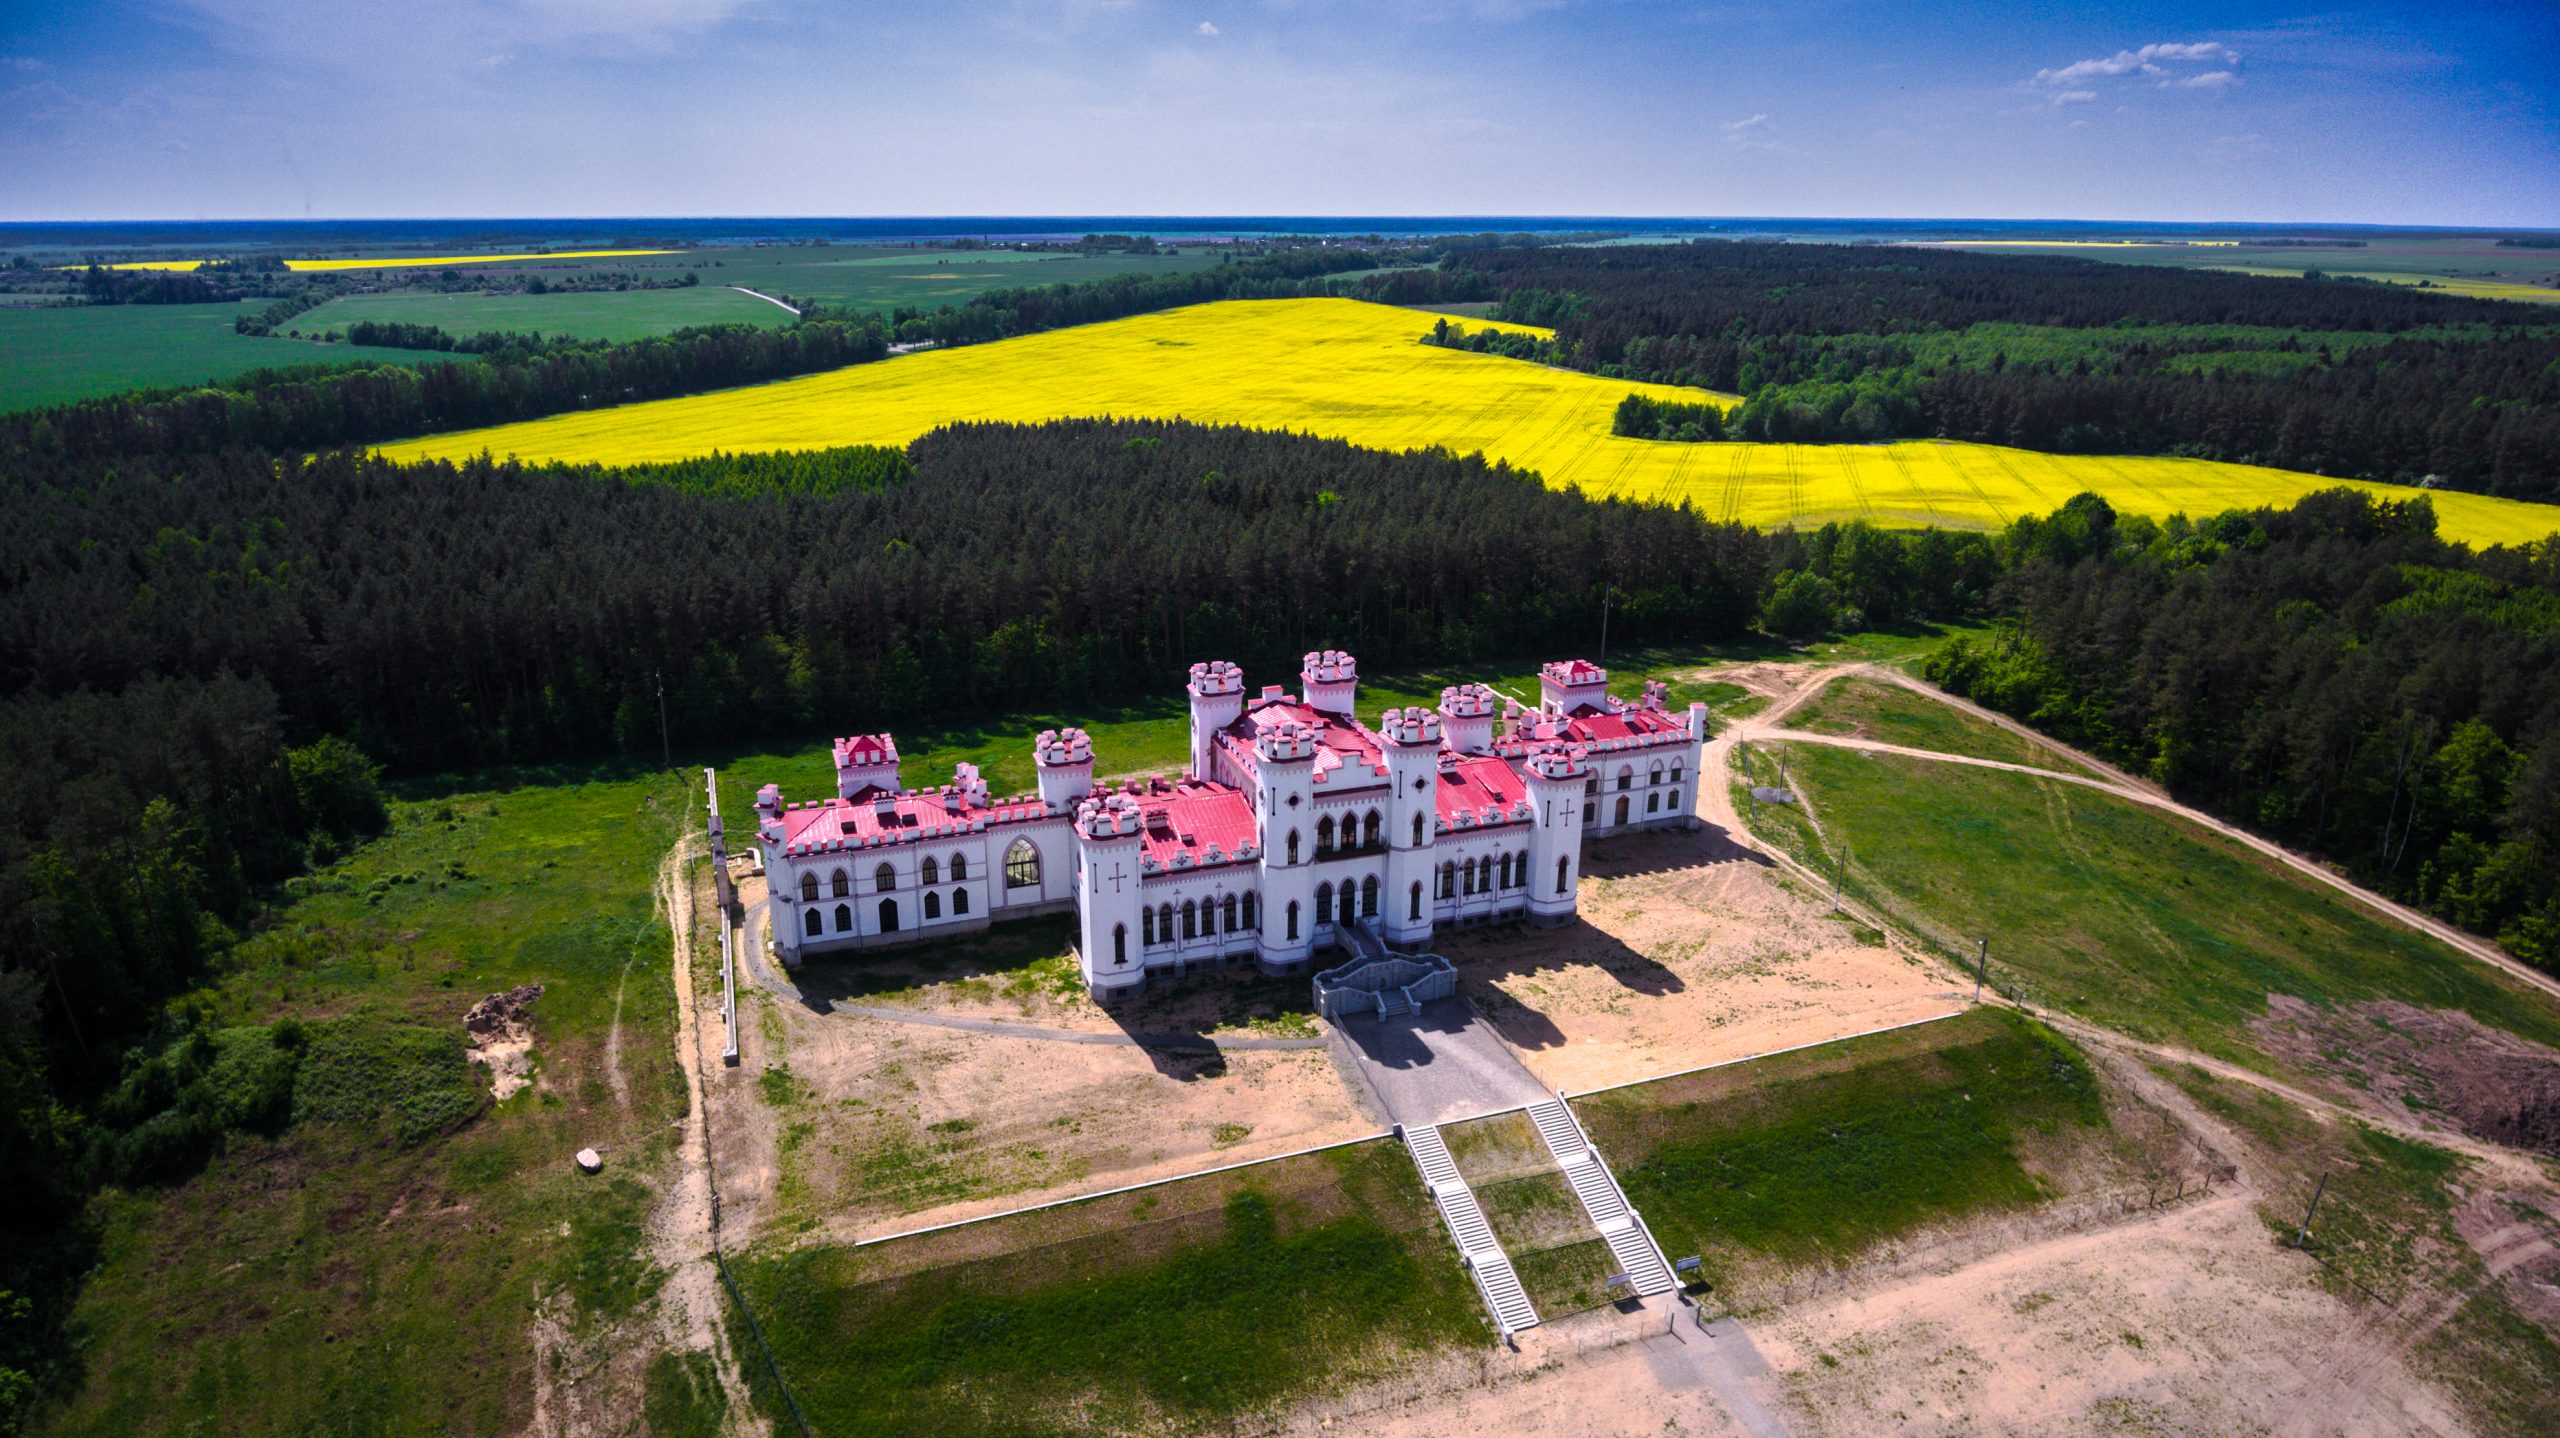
[{"x": 1721, "y": 1359}]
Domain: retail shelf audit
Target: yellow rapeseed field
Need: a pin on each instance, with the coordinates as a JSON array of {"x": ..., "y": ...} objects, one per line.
[
  {"x": 394, "y": 263},
  {"x": 1355, "y": 371}
]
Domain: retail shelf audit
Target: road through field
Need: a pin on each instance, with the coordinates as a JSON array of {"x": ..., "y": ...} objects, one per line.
[{"x": 1358, "y": 372}]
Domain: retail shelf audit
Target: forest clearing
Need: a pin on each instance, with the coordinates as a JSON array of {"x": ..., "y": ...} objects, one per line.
[{"x": 1352, "y": 370}]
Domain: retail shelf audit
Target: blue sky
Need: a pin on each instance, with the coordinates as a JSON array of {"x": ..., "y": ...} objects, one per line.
[{"x": 2446, "y": 113}]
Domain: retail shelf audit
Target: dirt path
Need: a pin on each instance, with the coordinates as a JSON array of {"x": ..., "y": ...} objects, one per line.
[
  {"x": 759, "y": 294},
  {"x": 1764, "y": 727},
  {"x": 684, "y": 1227}
]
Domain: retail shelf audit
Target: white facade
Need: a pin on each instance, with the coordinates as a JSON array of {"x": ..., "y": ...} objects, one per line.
[{"x": 1293, "y": 821}]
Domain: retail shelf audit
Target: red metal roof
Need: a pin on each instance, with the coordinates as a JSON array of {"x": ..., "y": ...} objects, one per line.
[
  {"x": 1589, "y": 725},
  {"x": 913, "y": 818},
  {"x": 1474, "y": 784},
  {"x": 1188, "y": 817},
  {"x": 1339, "y": 741}
]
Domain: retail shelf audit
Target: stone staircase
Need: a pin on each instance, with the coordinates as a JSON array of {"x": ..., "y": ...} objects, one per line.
[
  {"x": 1392, "y": 1002},
  {"x": 1477, "y": 1247},
  {"x": 1630, "y": 1242}
]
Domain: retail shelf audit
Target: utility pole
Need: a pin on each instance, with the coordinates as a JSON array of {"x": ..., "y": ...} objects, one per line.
[
  {"x": 1981, "y": 966},
  {"x": 1605, "y": 596},
  {"x": 666, "y": 753},
  {"x": 2303, "y": 1239}
]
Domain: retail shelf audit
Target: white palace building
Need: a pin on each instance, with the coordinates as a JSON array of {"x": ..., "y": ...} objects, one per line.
[{"x": 1294, "y": 819}]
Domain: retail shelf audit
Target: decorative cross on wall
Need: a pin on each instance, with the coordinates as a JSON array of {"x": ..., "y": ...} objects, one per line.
[{"x": 1116, "y": 876}]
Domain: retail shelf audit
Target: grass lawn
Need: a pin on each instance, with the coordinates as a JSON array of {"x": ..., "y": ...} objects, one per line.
[
  {"x": 884, "y": 278},
  {"x": 1817, "y": 1155},
  {"x": 376, "y": 1268},
  {"x": 2125, "y": 916},
  {"x": 55, "y": 355},
  {"x": 592, "y": 315},
  {"x": 1177, "y": 1308},
  {"x": 1891, "y": 714}
]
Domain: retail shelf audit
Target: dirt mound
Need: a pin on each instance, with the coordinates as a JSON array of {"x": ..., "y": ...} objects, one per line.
[
  {"x": 500, "y": 1034},
  {"x": 2485, "y": 1081}
]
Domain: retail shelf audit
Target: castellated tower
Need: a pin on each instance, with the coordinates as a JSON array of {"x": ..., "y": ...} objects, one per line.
[
  {"x": 1567, "y": 684},
  {"x": 1107, "y": 900},
  {"x": 1555, "y": 774},
  {"x": 1217, "y": 697},
  {"x": 1468, "y": 710},
  {"x": 866, "y": 761},
  {"x": 1065, "y": 758},
  {"x": 1331, "y": 681},
  {"x": 1412, "y": 742},
  {"x": 1284, "y": 785}
]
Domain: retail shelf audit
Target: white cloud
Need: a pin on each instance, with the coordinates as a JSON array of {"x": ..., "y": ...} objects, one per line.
[
  {"x": 1757, "y": 132},
  {"x": 2074, "y": 97},
  {"x": 2206, "y": 80},
  {"x": 1206, "y": 29},
  {"x": 2150, "y": 60}
]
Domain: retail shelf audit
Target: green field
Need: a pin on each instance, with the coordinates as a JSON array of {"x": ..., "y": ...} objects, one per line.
[
  {"x": 413, "y": 1256},
  {"x": 2125, "y": 916},
  {"x": 590, "y": 315},
  {"x": 1815, "y": 1156},
  {"x": 1891, "y": 714},
  {"x": 1185, "y": 1305},
  {"x": 59, "y": 354},
  {"x": 879, "y": 278},
  {"x": 2457, "y": 264}
]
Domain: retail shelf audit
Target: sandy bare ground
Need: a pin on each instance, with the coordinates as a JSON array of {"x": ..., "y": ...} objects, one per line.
[
  {"x": 2190, "y": 1322},
  {"x": 895, "y": 1126},
  {"x": 1691, "y": 951}
]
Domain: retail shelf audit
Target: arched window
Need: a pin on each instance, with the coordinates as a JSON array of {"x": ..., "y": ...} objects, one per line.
[
  {"x": 888, "y": 916},
  {"x": 1164, "y": 922},
  {"x": 1252, "y": 918},
  {"x": 1448, "y": 881},
  {"x": 808, "y": 886},
  {"x": 1324, "y": 834},
  {"x": 1656, "y": 776},
  {"x": 1147, "y": 926},
  {"x": 1591, "y": 785},
  {"x": 841, "y": 885},
  {"x": 1119, "y": 943},
  {"x": 1369, "y": 837},
  {"x": 1231, "y": 913},
  {"x": 959, "y": 868},
  {"x": 932, "y": 872},
  {"x": 844, "y": 918},
  {"x": 1021, "y": 865},
  {"x": 1563, "y": 868},
  {"x": 1293, "y": 846},
  {"x": 1626, "y": 776},
  {"x": 1675, "y": 801},
  {"x": 1324, "y": 903},
  {"x": 1293, "y": 922},
  {"x": 932, "y": 904},
  {"x": 1590, "y": 812},
  {"x": 1503, "y": 863},
  {"x": 959, "y": 901},
  {"x": 1653, "y": 803},
  {"x": 1414, "y": 910},
  {"x": 1191, "y": 918},
  {"x": 1678, "y": 766},
  {"x": 1417, "y": 831},
  {"x": 1622, "y": 809},
  {"x": 1346, "y": 915},
  {"x": 1520, "y": 868},
  {"x": 884, "y": 878},
  {"x": 812, "y": 926},
  {"x": 1369, "y": 897}
]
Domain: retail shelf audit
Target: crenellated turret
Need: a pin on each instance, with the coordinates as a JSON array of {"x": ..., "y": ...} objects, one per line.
[
  {"x": 1410, "y": 726},
  {"x": 1568, "y": 684},
  {"x": 1065, "y": 761},
  {"x": 1217, "y": 697},
  {"x": 1413, "y": 823},
  {"x": 1286, "y": 741},
  {"x": 1331, "y": 681},
  {"x": 1555, "y": 771},
  {"x": 1468, "y": 708},
  {"x": 866, "y": 761}
]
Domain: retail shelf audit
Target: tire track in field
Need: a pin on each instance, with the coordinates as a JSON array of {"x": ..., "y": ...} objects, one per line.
[{"x": 1964, "y": 472}]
